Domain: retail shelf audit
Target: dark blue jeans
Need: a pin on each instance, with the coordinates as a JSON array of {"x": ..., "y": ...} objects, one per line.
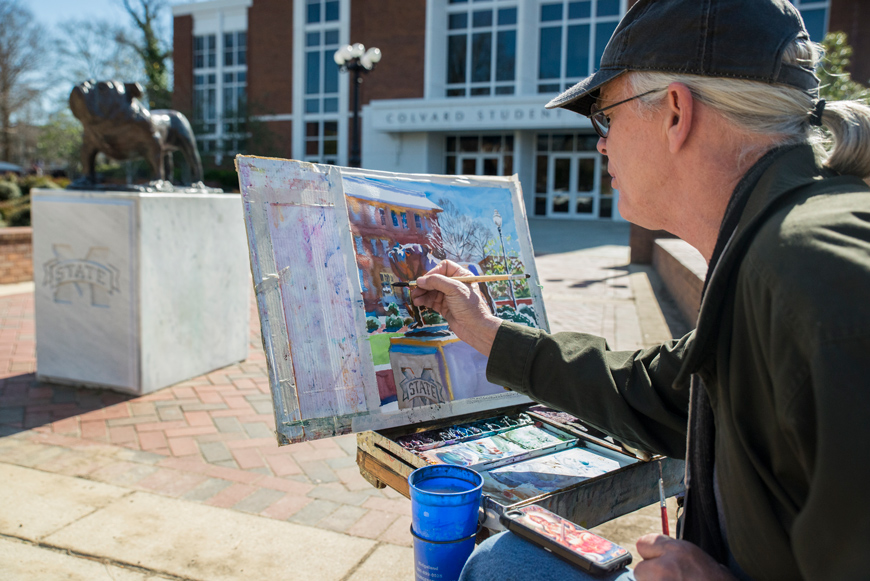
[{"x": 507, "y": 557}]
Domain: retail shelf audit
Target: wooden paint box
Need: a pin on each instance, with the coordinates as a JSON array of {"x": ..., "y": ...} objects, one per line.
[{"x": 383, "y": 461}]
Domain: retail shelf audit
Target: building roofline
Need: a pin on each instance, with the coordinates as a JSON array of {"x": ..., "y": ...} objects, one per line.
[
  {"x": 192, "y": 8},
  {"x": 388, "y": 194}
]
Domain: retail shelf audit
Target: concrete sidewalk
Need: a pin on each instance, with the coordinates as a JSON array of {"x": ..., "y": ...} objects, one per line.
[{"x": 188, "y": 482}]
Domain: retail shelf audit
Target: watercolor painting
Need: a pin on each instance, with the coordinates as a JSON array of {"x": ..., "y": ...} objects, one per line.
[
  {"x": 545, "y": 474},
  {"x": 402, "y": 229},
  {"x": 347, "y": 350}
]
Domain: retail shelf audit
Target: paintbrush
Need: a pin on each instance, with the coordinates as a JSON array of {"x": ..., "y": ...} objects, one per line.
[
  {"x": 665, "y": 528},
  {"x": 473, "y": 279}
]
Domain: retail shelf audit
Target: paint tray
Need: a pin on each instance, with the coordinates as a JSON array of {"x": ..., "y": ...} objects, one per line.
[{"x": 585, "y": 477}]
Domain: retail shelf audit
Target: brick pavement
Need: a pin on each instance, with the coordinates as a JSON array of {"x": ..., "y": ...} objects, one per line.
[{"x": 211, "y": 439}]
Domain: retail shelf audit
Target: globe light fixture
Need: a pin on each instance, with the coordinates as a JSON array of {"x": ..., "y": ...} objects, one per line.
[{"x": 354, "y": 58}]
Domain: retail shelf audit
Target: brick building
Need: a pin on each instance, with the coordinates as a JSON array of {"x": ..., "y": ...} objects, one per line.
[
  {"x": 460, "y": 89},
  {"x": 381, "y": 220}
]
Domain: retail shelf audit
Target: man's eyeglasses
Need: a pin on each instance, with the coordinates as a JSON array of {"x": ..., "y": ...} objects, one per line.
[{"x": 601, "y": 122}]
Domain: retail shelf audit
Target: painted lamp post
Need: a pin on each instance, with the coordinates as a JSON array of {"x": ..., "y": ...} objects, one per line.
[
  {"x": 496, "y": 217},
  {"x": 356, "y": 59}
]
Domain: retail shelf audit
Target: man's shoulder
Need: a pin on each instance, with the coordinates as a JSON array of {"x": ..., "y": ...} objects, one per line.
[{"x": 813, "y": 256}]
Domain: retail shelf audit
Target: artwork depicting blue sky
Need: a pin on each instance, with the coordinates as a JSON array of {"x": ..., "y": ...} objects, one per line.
[{"x": 475, "y": 202}]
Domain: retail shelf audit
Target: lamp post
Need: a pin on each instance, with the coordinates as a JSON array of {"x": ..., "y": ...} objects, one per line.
[
  {"x": 496, "y": 217},
  {"x": 356, "y": 59}
]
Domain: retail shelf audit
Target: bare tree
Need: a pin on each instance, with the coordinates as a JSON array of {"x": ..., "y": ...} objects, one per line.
[
  {"x": 89, "y": 49},
  {"x": 20, "y": 58},
  {"x": 151, "y": 48},
  {"x": 463, "y": 239}
]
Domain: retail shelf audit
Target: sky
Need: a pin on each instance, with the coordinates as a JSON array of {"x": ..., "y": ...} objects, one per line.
[
  {"x": 53, "y": 15},
  {"x": 55, "y": 12},
  {"x": 478, "y": 206}
]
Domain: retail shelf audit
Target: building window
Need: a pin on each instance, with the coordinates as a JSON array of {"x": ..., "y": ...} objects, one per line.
[
  {"x": 220, "y": 91},
  {"x": 385, "y": 244},
  {"x": 383, "y": 216},
  {"x": 481, "y": 48},
  {"x": 321, "y": 141},
  {"x": 235, "y": 49},
  {"x": 235, "y": 101},
  {"x": 321, "y": 72},
  {"x": 362, "y": 280},
  {"x": 404, "y": 220},
  {"x": 374, "y": 244},
  {"x": 205, "y": 102},
  {"x": 205, "y": 51},
  {"x": 815, "y": 15},
  {"x": 320, "y": 81},
  {"x": 318, "y": 11},
  {"x": 487, "y": 155},
  {"x": 358, "y": 241},
  {"x": 418, "y": 222},
  {"x": 571, "y": 179},
  {"x": 572, "y": 37},
  {"x": 395, "y": 218}
]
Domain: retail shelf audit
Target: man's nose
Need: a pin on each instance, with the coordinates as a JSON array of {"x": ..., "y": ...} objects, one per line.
[{"x": 601, "y": 146}]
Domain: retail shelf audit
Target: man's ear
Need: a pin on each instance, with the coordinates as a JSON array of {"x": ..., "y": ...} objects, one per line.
[{"x": 678, "y": 121}]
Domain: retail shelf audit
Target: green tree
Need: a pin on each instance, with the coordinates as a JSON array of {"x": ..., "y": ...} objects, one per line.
[
  {"x": 836, "y": 82},
  {"x": 151, "y": 48},
  {"x": 60, "y": 141}
]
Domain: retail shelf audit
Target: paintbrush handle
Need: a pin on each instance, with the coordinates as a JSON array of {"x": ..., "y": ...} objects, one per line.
[
  {"x": 473, "y": 279},
  {"x": 490, "y": 278}
]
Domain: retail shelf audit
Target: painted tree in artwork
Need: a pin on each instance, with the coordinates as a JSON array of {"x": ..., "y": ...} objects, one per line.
[
  {"x": 462, "y": 238},
  {"x": 494, "y": 263}
]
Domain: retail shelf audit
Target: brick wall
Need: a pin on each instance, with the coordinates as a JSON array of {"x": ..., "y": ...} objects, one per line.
[
  {"x": 182, "y": 56},
  {"x": 403, "y": 47},
  {"x": 641, "y": 241},
  {"x": 682, "y": 270},
  {"x": 853, "y": 18},
  {"x": 270, "y": 68},
  {"x": 16, "y": 255},
  {"x": 401, "y": 38}
]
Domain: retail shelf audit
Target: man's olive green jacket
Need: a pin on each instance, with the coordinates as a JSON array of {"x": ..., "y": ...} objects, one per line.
[{"x": 783, "y": 348}]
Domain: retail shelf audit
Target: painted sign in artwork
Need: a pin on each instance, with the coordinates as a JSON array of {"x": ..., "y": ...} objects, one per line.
[{"x": 347, "y": 349}]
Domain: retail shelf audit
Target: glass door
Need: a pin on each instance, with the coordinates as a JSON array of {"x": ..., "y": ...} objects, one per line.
[{"x": 573, "y": 185}]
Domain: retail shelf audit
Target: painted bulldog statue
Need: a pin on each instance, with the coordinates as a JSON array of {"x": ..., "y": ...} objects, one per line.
[{"x": 117, "y": 124}]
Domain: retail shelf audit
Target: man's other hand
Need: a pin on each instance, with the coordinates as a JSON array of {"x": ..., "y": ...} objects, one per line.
[
  {"x": 667, "y": 558},
  {"x": 461, "y": 304}
]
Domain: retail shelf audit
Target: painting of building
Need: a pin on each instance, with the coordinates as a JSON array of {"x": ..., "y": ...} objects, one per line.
[
  {"x": 382, "y": 219},
  {"x": 342, "y": 355}
]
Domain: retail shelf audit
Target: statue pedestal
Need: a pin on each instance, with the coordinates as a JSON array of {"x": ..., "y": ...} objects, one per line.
[{"x": 138, "y": 291}]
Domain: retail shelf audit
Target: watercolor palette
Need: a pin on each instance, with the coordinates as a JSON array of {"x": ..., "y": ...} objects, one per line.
[
  {"x": 525, "y": 455},
  {"x": 509, "y": 446}
]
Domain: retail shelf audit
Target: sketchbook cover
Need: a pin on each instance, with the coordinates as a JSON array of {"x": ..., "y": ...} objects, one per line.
[{"x": 347, "y": 351}]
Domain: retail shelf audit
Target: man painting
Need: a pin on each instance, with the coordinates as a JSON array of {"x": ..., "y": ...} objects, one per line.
[{"x": 709, "y": 114}]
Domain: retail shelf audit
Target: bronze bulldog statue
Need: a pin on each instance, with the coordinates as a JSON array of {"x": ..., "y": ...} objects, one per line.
[{"x": 117, "y": 124}]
